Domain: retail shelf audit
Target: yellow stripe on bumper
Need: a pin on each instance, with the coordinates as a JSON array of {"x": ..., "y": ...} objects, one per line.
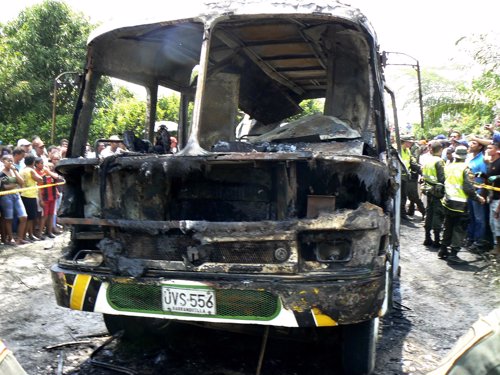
[
  {"x": 78, "y": 291},
  {"x": 321, "y": 319}
]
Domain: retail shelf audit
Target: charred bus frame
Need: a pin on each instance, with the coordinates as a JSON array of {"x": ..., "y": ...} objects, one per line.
[{"x": 275, "y": 221}]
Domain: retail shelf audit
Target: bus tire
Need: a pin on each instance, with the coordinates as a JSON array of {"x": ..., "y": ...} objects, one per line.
[
  {"x": 133, "y": 327},
  {"x": 359, "y": 347}
]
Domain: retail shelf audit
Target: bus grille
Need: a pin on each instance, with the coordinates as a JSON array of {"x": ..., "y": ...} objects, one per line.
[
  {"x": 174, "y": 248},
  {"x": 231, "y": 303}
]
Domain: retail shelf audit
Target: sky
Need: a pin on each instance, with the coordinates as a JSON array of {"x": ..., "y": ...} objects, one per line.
[{"x": 425, "y": 30}]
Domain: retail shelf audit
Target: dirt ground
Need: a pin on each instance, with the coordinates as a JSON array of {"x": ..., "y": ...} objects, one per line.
[{"x": 435, "y": 303}]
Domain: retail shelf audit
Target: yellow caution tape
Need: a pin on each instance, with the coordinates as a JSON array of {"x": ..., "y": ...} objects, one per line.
[
  {"x": 487, "y": 187},
  {"x": 21, "y": 190}
]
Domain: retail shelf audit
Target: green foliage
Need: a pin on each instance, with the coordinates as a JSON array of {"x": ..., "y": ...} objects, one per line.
[
  {"x": 121, "y": 111},
  {"x": 309, "y": 107},
  {"x": 168, "y": 108},
  {"x": 465, "y": 106},
  {"x": 43, "y": 41}
]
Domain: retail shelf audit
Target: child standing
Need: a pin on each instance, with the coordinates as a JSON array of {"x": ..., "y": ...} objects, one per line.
[
  {"x": 47, "y": 197},
  {"x": 29, "y": 197}
]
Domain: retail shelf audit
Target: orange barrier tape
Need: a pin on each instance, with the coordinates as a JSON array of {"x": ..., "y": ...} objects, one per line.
[{"x": 20, "y": 190}]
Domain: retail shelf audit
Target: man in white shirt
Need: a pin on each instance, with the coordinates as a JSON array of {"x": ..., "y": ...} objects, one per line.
[{"x": 114, "y": 147}]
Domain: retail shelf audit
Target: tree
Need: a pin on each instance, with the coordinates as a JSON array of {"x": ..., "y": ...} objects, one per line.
[
  {"x": 465, "y": 105},
  {"x": 309, "y": 107},
  {"x": 121, "y": 110},
  {"x": 45, "y": 40},
  {"x": 485, "y": 51},
  {"x": 168, "y": 108}
]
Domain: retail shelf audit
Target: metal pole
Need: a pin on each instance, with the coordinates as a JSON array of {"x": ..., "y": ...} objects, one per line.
[
  {"x": 54, "y": 100},
  {"x": 395, "y": 114},
  {"x": 54, "y": 104},
  {"x": 419, "y": 81},
  {"x": 420, "y": 101}
]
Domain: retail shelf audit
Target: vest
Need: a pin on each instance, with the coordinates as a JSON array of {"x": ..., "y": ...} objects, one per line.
[
  {"x": 455, "y": 198},
  {"x": 429, "y": 171},
  {"x": 406, "y": 157}
]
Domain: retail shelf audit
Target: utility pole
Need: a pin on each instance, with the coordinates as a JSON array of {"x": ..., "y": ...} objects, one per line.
[
  {"x": 415, "y": 66},
  {"x": 54, "y": 104}
]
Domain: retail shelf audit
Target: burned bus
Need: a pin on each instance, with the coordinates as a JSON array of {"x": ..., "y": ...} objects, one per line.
[{"x": 263, "y": 216}]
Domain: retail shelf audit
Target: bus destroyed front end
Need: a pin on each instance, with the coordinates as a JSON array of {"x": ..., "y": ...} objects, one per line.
[
  {"x": 282, "y": 238},
  {"x": 278, "y": 221}
]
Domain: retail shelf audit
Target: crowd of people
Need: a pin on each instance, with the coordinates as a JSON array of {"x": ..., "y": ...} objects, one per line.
[
  {"x": 459, "y": 178},
  {"x": 30, "y": 191}
]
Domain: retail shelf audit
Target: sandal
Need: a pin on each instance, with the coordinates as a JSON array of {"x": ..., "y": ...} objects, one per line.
[{"x": 22, "y": 242}]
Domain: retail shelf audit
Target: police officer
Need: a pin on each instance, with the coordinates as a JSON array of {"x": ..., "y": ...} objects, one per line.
[
  {"x": 433, "y": 175},
  {"x": 409, "y": 178},
  {"x": 458, "y": 187}
]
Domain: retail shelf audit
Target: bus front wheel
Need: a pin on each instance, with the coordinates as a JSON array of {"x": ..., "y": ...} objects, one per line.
[{"x": 359, "y": 347}]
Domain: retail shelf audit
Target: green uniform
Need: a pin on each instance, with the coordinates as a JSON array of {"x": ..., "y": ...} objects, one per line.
[
  {"x": 433, "y": 174},
  {"x": 409, "y": 184}
]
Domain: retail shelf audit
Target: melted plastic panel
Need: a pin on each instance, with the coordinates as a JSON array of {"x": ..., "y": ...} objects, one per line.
[
  {"x": 234, "y": 190},
  {"x": 239, "y": 192},
  {"x": 352, "y": 182},
  {"x": 133, "y": 188},
  {"x": 341, "y": 241}
]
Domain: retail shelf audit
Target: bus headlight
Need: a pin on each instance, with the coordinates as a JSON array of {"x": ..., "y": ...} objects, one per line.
[
  {"x": 335, "y": 251},
  {"x": 326, "y": 246}
]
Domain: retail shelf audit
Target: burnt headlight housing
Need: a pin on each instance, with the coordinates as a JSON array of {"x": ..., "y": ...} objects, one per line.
[{"x": 325, "y": 247}]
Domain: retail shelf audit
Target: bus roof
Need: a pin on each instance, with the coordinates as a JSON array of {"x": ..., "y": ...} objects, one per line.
[{"x": 206, "y": 9}]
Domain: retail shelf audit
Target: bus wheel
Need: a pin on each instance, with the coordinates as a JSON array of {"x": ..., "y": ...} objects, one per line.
[
  {"x": 134, "y": 327},
  {"x": 358, "y": 347}
]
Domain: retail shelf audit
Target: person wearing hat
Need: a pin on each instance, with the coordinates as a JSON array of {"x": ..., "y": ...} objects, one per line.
[
  {"x": 440, "y": 137},
  {"x": 409, "y": 179},
  {"x": 433, "y": 188},
  {"x": 458, "y": 188},
  {"x": 25, "y": 145},
  {"x": 23, "y": 142},
  {"x": 39, "y": 150},
  {"x": 113, "y": 148}
]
